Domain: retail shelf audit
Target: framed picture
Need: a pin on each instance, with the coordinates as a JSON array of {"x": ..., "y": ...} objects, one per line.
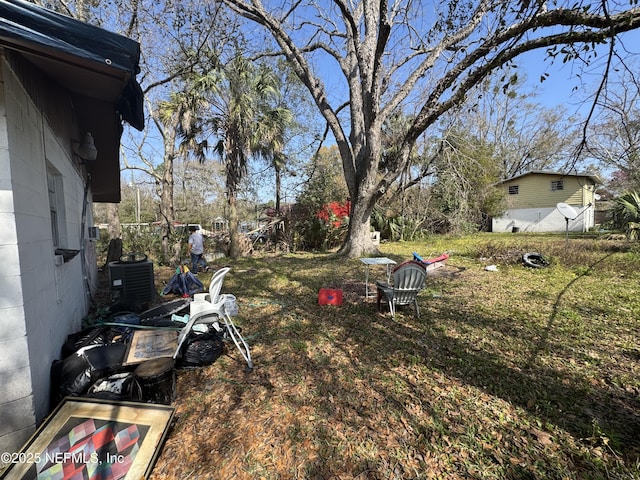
[
  {"x": 94, "y": 439},
  {"x": 149, "y": 344}
]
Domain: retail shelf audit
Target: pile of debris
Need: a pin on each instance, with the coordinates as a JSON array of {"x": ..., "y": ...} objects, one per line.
[{"x": 133, "y": 357}]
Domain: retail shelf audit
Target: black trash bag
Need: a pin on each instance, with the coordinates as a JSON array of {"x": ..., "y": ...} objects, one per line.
[
  {"x": 201, "y": 349},
  {"x": 157, "y": 380},
  {"x": 97, "y": 335},
  {"x": 106, "y": 358},
  {"x": 119, "y": 386},
  {"x": 75, "y": 374},
  {"x": 85, "y": 338},
  {"x": 71, "y": 377}
]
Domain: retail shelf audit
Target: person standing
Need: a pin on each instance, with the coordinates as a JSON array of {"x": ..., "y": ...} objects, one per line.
[{"x": 196, "y": 250}]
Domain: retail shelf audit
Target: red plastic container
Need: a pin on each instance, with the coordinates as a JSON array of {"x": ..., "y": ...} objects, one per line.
[{"x": 329, "y": 296}]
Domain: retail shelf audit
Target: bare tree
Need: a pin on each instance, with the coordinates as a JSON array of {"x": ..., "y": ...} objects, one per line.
[
  {"x": 525, "y": 135},
  {"x": 421, "y": 59},
  {"x": 614, "y": 136},
  {"x": 172, "y": 34}
]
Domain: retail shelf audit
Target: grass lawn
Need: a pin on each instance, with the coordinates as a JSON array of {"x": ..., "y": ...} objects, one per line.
[{"x": 518, "y": 373}]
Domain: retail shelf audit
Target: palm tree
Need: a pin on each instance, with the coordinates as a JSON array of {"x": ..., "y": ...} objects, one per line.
[
  {"x": 176, "y": 120},
  {"x": 626, "y": 214},
  {"x": 167, "y": 118},
  {"x": 237, "y": 103},
  {"x": 247, "y": 124},
  {"x": 270, "y": 139}
]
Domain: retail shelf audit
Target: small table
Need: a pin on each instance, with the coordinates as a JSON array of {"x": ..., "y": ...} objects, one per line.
[{"x": 375, "y": 261}]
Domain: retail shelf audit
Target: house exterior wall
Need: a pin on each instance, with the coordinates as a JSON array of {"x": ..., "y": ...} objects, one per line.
[
  {"x": 42, "y": 298},
  {"x": 543, "y": 220},
  {"x": 533, "y": 208}
]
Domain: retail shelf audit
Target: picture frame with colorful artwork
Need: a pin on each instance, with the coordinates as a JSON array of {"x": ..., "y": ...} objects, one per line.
[{"x": 94, "y": 439}]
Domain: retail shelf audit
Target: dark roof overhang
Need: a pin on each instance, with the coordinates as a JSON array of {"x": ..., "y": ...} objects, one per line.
[{"x": 97, "y": 67}]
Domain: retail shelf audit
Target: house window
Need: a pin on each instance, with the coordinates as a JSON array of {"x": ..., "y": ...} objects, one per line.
[
  {"x": 557, "y": 185},
  {"x": 56, "y": 206},
  {"x": 513, "y": 190}
]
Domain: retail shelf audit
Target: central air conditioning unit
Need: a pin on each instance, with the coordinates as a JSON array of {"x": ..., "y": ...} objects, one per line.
[{"x": 131, "y": 280}]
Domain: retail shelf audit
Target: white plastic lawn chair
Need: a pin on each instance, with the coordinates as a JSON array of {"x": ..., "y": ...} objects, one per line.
[
  {"x": 209, "y": 308},
  {"x": 408, "y": 280}
]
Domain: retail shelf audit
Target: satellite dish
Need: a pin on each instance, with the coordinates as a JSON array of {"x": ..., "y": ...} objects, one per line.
[{"x": 567, "y": 211}]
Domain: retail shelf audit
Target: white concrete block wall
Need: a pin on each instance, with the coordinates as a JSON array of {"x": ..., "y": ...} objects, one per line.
[
  {"x": 16, "y": 412},
  {"x": 17, "y": 419},
  {"x": 543, "y": 220},
  {"x": 40, "y": 302}
]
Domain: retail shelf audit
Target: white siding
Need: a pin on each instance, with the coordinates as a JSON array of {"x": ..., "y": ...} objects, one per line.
[
  {"x": 40, "y": 303},
  {"x": 533, "y": 208},
  {"x": 543, "y": 220}
]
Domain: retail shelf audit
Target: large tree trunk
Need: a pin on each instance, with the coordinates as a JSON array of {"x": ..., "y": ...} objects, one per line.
[
  {"x": 234, "y": 234},
  {"x": 115, "y": 234},
  {"x": 358, "y": 242},
  {"x": 278, "y": 187},
  {"x": 362, "y": 188},
  {"x": 113, "y": 218},
  {"x": 167, "y": 209}
]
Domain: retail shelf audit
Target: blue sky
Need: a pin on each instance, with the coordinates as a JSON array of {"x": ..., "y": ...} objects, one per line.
[
  {"x": 565, "y": 86},
  {"x": 557, "y": 89}
]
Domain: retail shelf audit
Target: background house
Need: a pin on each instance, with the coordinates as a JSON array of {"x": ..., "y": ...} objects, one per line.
[
  {"x": 59, "y": 80},
  {"x": 532, "y": 198}
]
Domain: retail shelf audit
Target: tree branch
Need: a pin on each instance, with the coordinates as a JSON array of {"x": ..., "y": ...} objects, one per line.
[{"x": 433, "y": 108}]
